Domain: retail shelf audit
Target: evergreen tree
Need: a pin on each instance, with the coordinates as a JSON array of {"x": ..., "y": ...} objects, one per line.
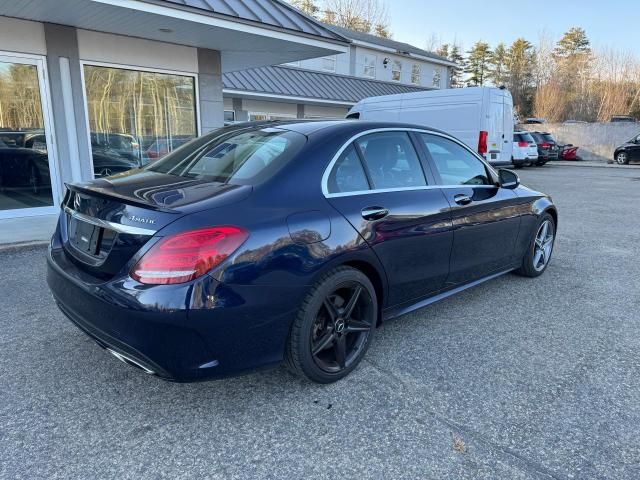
[
  {"x": 443, "y": 50},
  {"x": 456, "y": 72},
  {"x": 521, "y": 63},
  {"x": 573, "y": 43},
  {"x": 498, "y": 72},
  {"x": 477, "y": 64},
  {"x": 573, "y": 63}
]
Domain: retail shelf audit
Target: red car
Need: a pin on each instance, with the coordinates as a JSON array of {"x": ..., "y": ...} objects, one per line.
[{"x": 162, "y": 146}]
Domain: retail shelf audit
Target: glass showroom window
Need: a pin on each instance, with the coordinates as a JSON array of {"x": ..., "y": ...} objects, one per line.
[
  {"x": 229, "y": 116},
  {"x": 396, "y": 70},
  {"x": 415, "y": 73},
  {"x": 329, "y": 63},
  {"x": 137, "y": 117},
  {"x": 370, "y": 66},
  {"x": 25, "y": 173},
  {"x": 262, "y": 116}
]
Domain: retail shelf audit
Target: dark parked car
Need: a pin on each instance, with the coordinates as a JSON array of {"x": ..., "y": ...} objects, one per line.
[
  {"x": 160, "y": 147},
  {"x": 286, "y": 241},
  {"x": 628, "y": 151},
  {"x": 110, "y": 162},
  {"x": 548, "y": 148},
  {"x": 24, "y": 164},
  {"x": 622, "y": 119},
  {"x": 114, "y": 153},
  {"x": 125, "y": 145}
]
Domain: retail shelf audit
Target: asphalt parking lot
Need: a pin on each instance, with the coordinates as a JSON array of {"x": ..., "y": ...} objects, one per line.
[{"x": 516, "y": 378}]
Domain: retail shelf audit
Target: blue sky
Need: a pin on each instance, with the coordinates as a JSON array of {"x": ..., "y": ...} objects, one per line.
[{"x": 612, "y": 23}]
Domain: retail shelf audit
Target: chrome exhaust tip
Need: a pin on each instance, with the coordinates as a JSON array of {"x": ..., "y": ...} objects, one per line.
[{"x": 130, "y": 361}]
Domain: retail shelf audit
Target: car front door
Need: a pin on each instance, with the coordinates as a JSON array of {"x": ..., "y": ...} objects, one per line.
[
  {"x": 634, "y": 149},
  {"x": 380, "y": 187},
  {"x": 486, "y": 217}
]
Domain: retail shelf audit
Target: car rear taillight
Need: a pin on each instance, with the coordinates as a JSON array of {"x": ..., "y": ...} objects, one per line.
[
  {"x": 545, "y": 145},
  {"x": 523, "y": 144},
  {"x": 482, "y": 142},
  {"x": 185, "y": 256}
]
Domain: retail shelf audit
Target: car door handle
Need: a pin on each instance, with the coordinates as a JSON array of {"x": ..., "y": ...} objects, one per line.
[
  {"x": 462, "y": 199},
  {"x": 374, "y": 213}
]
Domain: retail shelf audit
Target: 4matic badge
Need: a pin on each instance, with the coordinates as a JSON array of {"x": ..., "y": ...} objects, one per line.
[{"x": 135, "y": 218}]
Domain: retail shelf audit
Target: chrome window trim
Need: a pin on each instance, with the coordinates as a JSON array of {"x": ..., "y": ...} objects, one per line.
[
  {"x": 118, "y": 227},
  {"x": 327, "y": 171}
]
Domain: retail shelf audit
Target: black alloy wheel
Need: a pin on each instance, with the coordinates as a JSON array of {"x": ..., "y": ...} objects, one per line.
[
  {"x": 538, "y": 255},
  {"x": 334, "y": 326}
]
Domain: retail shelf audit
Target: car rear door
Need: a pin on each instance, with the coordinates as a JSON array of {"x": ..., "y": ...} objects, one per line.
[
  {"x": 507, "y": 127},
  {"x": 485, "y": 217},
  {"x": 380, "y": 187}
]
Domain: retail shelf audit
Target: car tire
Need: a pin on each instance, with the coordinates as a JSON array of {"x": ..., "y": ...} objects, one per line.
[
  {"x": 622, "y": 158},
  {"x": 326, "y": 342},
  {"x": 543, "y": 240}
]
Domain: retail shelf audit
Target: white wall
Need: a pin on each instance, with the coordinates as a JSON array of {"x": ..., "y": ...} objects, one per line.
[
  {"x": 596, "y": 141},
  {"x": 426, "y": 68},
  {"x": 342, "y": 64},
  {"x": 22, "y": 36},
  {"x": 136, "y": 52},
  {"x": 261, "y": 106},
  {"x": 288, "y": 109},
  {"x": 322, "y": 111}
]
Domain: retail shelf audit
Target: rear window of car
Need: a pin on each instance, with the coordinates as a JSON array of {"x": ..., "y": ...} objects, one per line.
[
  {"x": 243, "y": 157},
  {"x": 548, "y": 137},
  {"x": 538, "y": 138},
  {"x": 523, "y": 137}
]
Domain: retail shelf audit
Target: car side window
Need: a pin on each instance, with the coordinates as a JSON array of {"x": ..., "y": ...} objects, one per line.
[
  {"x": 347, "y": 174},
  {"x": 454, "y": 163},
  {"x": 391, "y": 160}
]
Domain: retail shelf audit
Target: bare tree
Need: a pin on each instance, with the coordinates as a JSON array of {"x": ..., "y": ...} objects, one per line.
[
  {"x": 615, "y": 84},
  {"x": 369, "y": 16},
  {"x": 309, "y": 7},
  {"x": 550, "y": 102}
]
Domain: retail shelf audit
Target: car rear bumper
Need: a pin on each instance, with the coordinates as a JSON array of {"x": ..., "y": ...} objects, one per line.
[
  {"x": 546, "y": 156},
  {"x": 186, "y": 332}
]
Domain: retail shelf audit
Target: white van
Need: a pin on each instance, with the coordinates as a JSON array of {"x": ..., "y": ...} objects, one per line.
[{"x": 481, "y": 117}]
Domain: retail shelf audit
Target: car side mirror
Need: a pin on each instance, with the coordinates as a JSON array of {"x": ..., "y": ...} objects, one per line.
[{"x": 508, "y": 179}]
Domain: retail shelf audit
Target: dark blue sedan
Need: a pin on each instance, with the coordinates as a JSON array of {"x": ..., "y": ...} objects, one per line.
[{"x": 262, "y": 243}]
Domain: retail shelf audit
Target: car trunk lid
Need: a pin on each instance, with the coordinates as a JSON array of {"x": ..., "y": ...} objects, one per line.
[{"x": 106, "y": 222}]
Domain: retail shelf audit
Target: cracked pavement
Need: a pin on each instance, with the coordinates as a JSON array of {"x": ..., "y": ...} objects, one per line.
[{"x": 516, "y": 378}]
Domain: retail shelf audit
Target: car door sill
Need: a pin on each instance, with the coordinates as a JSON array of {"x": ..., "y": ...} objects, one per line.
[{"x": 397, "y": 311}]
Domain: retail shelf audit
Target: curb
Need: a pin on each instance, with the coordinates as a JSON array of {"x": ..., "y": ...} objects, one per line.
[
  {"x": 21, "y": 245},
  {"x": 585, "y": 164}
]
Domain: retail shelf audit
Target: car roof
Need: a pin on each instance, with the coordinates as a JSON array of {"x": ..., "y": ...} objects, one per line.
[{"x": 309, "y": 127}]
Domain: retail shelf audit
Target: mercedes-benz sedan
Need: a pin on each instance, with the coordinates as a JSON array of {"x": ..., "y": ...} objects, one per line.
[{"x": 262, "y": 243}]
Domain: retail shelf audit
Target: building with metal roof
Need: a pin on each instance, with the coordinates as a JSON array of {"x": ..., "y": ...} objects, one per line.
[
  {"x": 327, "y": 86},
  {"x": 93, "y": 87}
]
